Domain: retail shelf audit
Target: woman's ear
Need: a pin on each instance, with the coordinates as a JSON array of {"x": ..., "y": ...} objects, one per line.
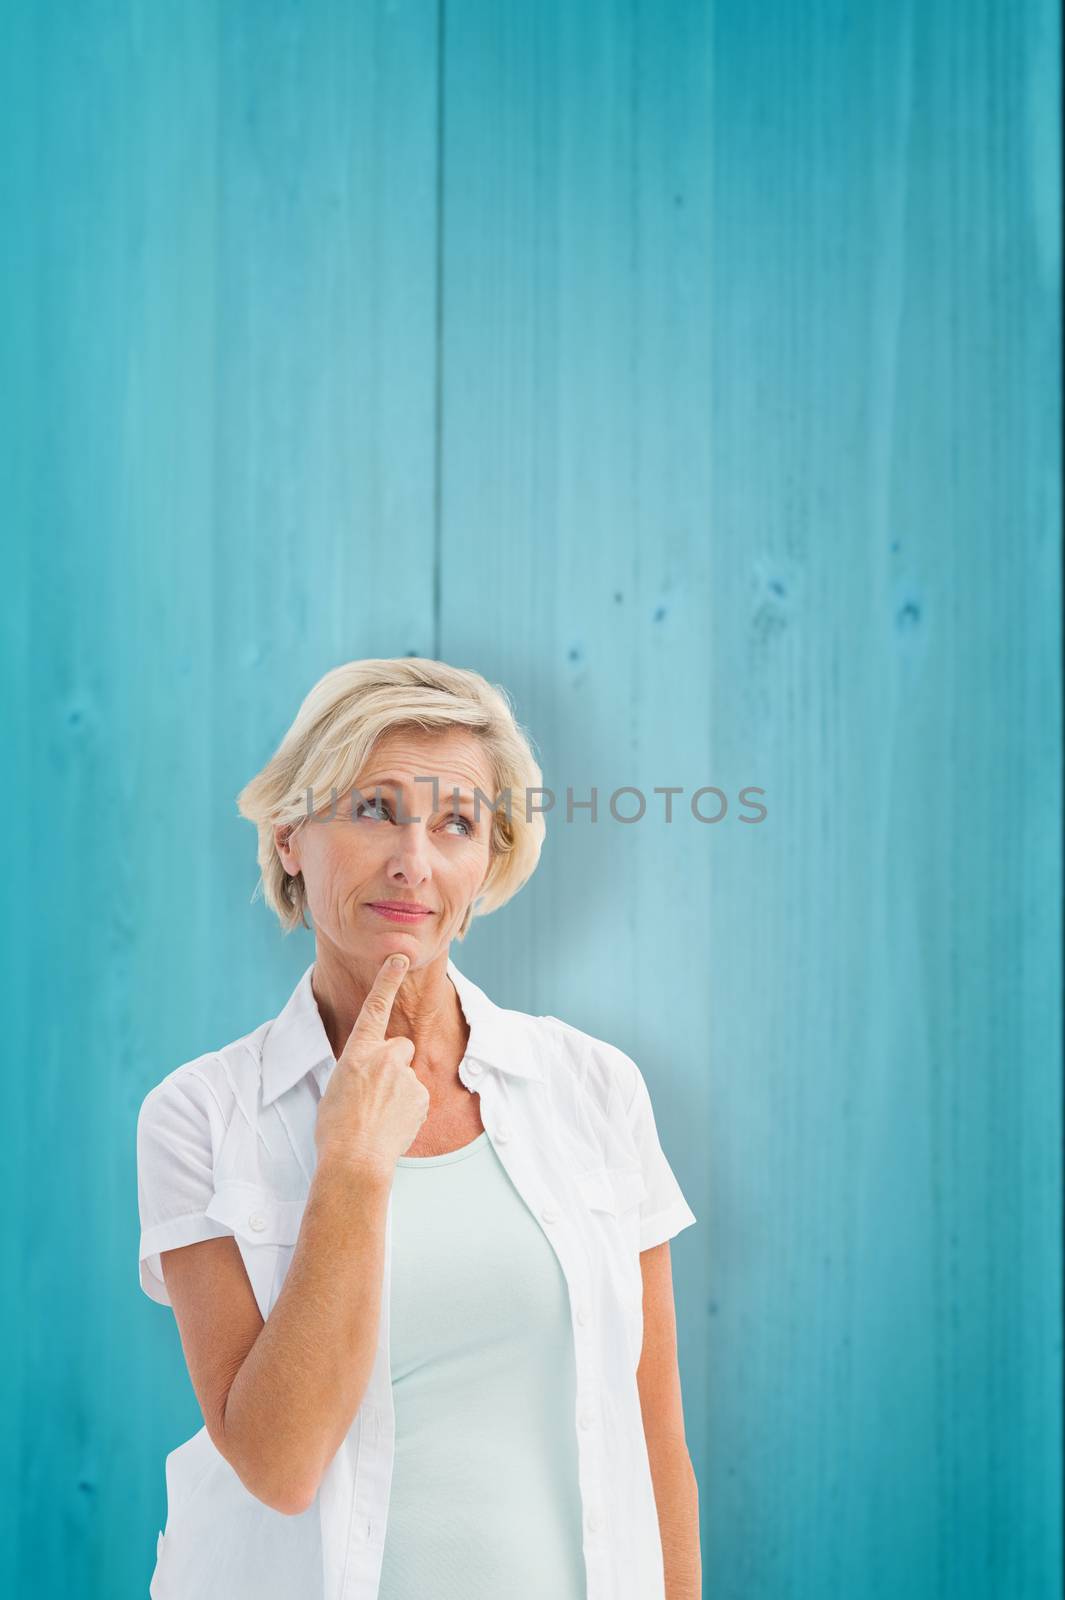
[{"x": 286, "y": 847}]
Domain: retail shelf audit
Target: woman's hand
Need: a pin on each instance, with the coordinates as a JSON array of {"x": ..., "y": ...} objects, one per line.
[{"x": 374, "y": 1102}]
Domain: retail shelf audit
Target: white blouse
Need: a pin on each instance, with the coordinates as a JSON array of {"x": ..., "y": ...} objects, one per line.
[{"x": 225, "y": 1145}]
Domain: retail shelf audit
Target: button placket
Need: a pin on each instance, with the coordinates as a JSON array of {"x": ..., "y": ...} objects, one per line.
[{"x": 589, "y": 1436}]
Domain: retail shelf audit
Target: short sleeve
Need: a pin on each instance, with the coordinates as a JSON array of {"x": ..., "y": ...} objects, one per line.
[
  {"x": 175, "y": 1174},
  {"x": 664, "y": 1210}
]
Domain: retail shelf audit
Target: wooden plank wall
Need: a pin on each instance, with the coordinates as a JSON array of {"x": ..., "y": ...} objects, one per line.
[{"x": 691, "y": 370}]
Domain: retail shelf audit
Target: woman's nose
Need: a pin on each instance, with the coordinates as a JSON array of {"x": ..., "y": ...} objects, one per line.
[{"x": 410, "y": 855}]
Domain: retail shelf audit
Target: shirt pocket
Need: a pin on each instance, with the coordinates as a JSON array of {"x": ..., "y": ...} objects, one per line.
[
  {"x": 266, "y": 1229},
  {"x": 613, "y": 1189}
]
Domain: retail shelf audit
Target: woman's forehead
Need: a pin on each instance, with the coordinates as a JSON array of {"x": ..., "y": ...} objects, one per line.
[{"x": 454, "y": 759}]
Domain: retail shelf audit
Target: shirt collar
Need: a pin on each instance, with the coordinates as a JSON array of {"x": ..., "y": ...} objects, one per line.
[{"x": 296, "y": 1041}]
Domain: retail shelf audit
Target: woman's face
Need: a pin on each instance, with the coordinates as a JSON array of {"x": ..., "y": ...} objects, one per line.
[{"x": 382, "y": 854}]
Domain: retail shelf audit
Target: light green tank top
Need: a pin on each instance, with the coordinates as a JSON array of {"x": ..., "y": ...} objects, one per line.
[{"x": 484, "y": 1502}]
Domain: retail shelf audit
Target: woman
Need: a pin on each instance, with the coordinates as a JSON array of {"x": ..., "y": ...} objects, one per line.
[{"x": 416, "y": 1244}]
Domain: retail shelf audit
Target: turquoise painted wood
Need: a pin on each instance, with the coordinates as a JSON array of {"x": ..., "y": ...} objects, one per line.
[{"x": 692, "y": 371}]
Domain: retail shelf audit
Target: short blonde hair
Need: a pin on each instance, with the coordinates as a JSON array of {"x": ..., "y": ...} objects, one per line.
[{"x": 332, "y": 736}]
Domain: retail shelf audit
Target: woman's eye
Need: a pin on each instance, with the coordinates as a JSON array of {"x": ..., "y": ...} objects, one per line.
[
  {"x": 380, "y": 809},
  {"x": 370, "y": 805}
]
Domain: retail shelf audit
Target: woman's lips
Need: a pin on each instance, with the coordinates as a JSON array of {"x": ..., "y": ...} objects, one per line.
[{"x": 394, "y": 914}]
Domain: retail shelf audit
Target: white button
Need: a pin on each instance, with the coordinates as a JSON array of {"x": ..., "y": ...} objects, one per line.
[
  {"x": 582, "y": 1316},
  {"x": 549, "y": 1214},
  {"x": 257, "y": 1221},
  {"x": 595, "y": 1522},
  {"x": 586, "y": 1419},
  {"x": 473, "y": 1068},
  {"x": 502, "y": 1135}
]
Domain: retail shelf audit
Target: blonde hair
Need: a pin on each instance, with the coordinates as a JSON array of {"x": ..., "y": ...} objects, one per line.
[{"x": 332, "y": 735}]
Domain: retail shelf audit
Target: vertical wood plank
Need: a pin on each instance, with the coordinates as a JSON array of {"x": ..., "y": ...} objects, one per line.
[
  {"x": 226, "y": 418},
  {"x": 767, "y": 494}
]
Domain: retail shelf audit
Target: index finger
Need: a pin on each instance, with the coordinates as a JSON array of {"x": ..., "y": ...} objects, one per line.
[{"x": 376, "y": 1009}]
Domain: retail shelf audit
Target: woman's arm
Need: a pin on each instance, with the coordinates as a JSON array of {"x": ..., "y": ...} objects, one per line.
[
  {"x": 672, "y": 1473},
  {"x": 278, "y": 1397}
]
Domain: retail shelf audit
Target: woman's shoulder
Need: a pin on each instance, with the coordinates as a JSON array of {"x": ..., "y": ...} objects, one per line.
[
  {"x": 210, "y": 1086},
  {"x": 602, "y": 1069},
  {"x": 596, "y": 1086}
]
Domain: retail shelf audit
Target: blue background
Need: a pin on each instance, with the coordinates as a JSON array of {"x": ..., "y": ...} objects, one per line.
[{"x": 692, "y": 370}]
